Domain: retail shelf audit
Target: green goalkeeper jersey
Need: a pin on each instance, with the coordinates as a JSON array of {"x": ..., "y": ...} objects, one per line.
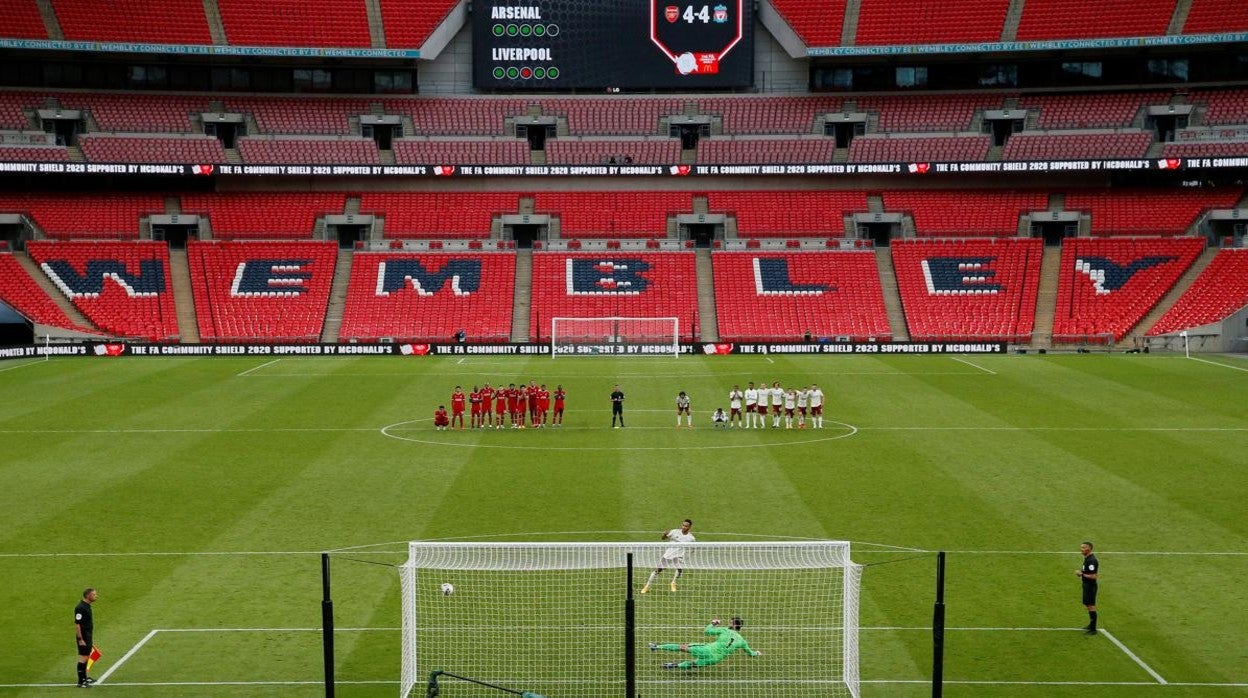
[{"x": 726, "y": 642}]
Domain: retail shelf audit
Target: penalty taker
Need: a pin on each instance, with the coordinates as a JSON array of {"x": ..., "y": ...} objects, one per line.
[{"x": 433, "y": 689}]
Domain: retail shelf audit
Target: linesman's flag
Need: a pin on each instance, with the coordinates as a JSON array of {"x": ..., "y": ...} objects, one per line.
[{"x": 93, "y": 657}]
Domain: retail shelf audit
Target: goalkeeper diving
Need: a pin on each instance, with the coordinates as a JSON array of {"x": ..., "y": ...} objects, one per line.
[{"x": 727, "y": 640}]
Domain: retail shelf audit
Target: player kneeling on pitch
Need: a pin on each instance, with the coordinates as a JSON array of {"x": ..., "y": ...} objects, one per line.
[{"x": 727, "y": 641}]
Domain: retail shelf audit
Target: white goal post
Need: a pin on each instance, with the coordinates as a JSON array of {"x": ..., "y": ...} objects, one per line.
[
  {"x": 561, "y": 619},
  {"x": 623, "y": 336}
]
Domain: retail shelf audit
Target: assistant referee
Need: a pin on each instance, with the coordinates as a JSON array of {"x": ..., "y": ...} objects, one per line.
[
  {"x": 84, "y": 626},
  {"x": 1089, "y": 573}
]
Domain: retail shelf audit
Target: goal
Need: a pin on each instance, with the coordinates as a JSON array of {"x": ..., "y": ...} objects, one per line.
[
  {"x": 568, "y": 619},
  {"x": 625, "y": 336}
]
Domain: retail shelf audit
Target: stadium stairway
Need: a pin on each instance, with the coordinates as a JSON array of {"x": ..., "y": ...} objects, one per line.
[
  {"x": 892, "y": 297},
  {"x": 522, "y": 301},
  {"x": 1172, "y": 296},
  {"x": 1046, "y": 297},
  {"x": 708, "y": 318},
  {"x": 50, "y": 21},
  {"x": 71, "y": 311},
  {"x": 332, "y": 328},
  {"x": 376, "y": 28},
  {"x": 1013, "y": 15},
  {"x": 1178, "y": 19},
  {"x": 183, "y": 296},
  {"x": 216, "y": 28},
  {"x": 849, "y": 25}
]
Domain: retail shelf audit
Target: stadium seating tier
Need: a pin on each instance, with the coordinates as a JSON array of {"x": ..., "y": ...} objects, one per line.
[
  {"x": 343, "y": 23},
  {"x": 113, "y": 215},
  {"x": 20, "y": 19},
  {"x": 260, "y": 215},
  {"x": 273, "y": 291},
  {"x": 900, "y": 22},
  {"x": 1221, "y": 289},
  {"x": 141, "y": 21},
  {"x": 969, "y": 289},
  {"x": 1107, "y": 285},
  {"x": 428, "y": 297},
  {"x": 409, "y": 22},
  {"x": 1047, "y": 20},
  {"x": 788, "y": 213},
  {"x": 26, "y": 296},
  {"x": 1216, "y": 17},
  {"x": 780, "y": 296},
  {"x": 123, "y": 287},
  {"x": 613, "y": 283},
  {"x": 439, "y": 214}
]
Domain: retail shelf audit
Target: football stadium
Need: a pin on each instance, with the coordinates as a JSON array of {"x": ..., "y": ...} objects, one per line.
[{"x": 566, "y": 348}]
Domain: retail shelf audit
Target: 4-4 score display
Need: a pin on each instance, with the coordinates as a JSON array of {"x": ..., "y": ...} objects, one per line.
[{"x": 628, "y": 44}]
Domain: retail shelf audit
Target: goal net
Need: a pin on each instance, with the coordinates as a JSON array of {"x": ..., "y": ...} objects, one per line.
[
  {"x": 625, "y": 336},
  {"x": 552, "y": 618}
]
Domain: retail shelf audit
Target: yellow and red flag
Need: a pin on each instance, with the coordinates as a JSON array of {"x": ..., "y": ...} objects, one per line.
[{"x": 93, "y": 657}]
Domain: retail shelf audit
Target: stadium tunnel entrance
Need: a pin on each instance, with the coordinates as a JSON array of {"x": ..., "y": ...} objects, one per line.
[{"x": 15, "y": 330}]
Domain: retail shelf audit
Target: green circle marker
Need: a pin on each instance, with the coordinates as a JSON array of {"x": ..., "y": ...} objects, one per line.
[
  {"x": 499, "y": 30},
  {"x": 512, "y": 30},
  {"x": 525, "y": 30},
  {"x": 539, "y": 29},
  {"x": 499, "y": 73},
  {"x": 539, "y": 73},
  {"x": 513, "y": 72},
  {"x": 552, "y": 73}
]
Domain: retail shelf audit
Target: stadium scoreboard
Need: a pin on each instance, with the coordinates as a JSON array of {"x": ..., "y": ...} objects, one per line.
[{"x": 629, "y": 44}]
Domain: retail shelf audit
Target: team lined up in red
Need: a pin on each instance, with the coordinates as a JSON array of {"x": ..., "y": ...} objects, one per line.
[{"x": 516, "y": 407}]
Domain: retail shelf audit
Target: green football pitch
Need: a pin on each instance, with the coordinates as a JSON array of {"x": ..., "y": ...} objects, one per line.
[{"x": 197, "y": 494}]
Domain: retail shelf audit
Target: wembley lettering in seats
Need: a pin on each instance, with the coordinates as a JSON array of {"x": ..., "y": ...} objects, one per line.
[
  {"x": 1109, "y": 276},
  {"x": 949, "y": 275},
  {"x": 270, "y": 277},
  {"x": 464, "y": 276},
  {"x": 149, "y": 281},
  {"x": 620, "y": 276},
  {"x": 771, "y": 278}
]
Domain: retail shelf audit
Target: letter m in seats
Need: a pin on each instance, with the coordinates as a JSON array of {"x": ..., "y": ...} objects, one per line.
[
  {"x": 150, "y": 281},
  {"x": 393, "y": 275}
]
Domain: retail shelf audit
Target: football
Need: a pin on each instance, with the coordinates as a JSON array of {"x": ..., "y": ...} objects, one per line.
[{"x": 447, "y": 588}]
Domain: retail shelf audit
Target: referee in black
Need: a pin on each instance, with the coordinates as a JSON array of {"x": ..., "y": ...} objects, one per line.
[
  {"x": 617, "y": 406},
  {"x": 83, "y": 627},
  {"x": 1088, "y": 574}
]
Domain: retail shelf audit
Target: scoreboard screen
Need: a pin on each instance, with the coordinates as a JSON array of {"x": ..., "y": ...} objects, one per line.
[{"x": 631, "y": 44}]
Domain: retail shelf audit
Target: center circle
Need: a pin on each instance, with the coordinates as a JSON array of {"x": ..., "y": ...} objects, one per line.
[{"x": 389, "y": 432}]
